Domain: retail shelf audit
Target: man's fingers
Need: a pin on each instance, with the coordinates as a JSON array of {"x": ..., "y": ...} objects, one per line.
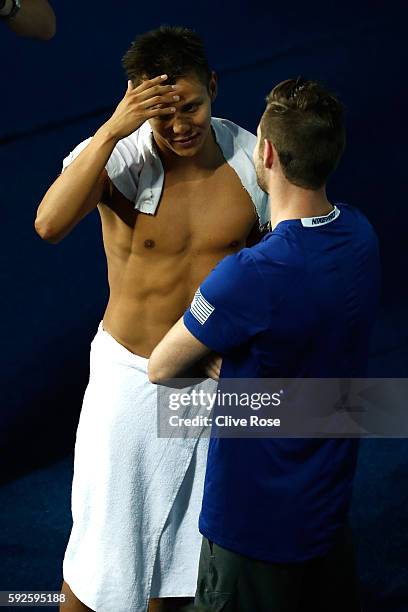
[
  {"x": 148, "y": 83},
  {"x": 210, "y": 373},
  {"x": 129, "y": 86},
  {"x": 217, "y": 362},
  {"x": 160, "y": 100},
  {"x": 215, "y": 373},
  {"x": 158, "y": 91},
  {"x": 158, "y": 111},
  {"x": 213, "y": 367}
]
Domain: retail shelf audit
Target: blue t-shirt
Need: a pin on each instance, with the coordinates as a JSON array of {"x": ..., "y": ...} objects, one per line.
[{"x": 300, "y": 304}]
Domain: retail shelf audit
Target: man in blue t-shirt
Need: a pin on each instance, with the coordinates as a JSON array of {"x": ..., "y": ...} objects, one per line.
[{"x": 300, "y": 304}]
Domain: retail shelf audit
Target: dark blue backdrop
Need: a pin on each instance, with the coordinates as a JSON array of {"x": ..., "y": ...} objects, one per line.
[{"x": 57, "y": 93}]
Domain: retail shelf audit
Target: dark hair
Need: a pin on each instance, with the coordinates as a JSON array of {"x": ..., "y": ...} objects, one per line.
[
  {"x": 305, "y": 124},
  {"x": 175, "y": 51}
]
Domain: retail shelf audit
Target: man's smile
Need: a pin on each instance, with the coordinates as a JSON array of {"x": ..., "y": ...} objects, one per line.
[{"x": 185, "y": 141}]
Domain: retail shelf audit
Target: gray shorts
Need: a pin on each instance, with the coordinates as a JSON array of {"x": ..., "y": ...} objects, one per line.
[{"x": 230, "y": 582}]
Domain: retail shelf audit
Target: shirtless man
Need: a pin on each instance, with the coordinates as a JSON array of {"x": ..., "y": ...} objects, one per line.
[{"x": 176, "y": 191}]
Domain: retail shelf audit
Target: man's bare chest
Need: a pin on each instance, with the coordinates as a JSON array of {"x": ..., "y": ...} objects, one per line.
[{"x": 199, "y": 215}]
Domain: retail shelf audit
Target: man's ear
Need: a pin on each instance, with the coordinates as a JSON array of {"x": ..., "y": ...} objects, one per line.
[
  {"x": 268, "y": 154},
  {"x": 213, "y": 86}
]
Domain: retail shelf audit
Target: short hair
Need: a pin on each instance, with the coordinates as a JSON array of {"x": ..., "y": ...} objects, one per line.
[
  {"x": 305, "y": 124},
  {"x": 172, "y": 50}
]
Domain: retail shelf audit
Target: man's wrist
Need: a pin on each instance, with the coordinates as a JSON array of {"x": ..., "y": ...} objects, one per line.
[{"x": 107, "y": 134}]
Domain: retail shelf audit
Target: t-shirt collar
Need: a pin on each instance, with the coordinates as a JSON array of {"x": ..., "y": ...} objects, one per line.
[{"x": 318, "y": 221}]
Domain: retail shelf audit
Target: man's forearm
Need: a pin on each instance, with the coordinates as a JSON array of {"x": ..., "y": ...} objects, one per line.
[
  {"x": 175, "y": 354},
  {"x": 77, "y": 190},
  {"x": 35, "y": 19}
]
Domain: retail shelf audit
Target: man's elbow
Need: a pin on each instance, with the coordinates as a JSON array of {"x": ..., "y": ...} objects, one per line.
[
  {"x": 48, "y": 27},
  {"x": 48, "y": 31},
  {"x": 153, "y": 374},
  {"x": 46, "y": 231},
  {"x": 157, "y": 374}
]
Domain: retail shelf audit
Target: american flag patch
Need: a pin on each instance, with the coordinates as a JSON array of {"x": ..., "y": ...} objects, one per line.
[{"x": 200, "y": 308}]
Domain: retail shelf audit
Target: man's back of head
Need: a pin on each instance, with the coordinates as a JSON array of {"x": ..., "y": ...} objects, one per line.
[{"x": 305, "y": 124}]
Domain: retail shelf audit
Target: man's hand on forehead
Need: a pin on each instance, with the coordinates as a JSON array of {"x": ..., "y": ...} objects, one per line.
[{"x": 152, "y": 98}]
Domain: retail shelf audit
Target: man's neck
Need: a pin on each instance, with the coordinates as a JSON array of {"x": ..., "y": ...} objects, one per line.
[{"x": 291, "y": 202}]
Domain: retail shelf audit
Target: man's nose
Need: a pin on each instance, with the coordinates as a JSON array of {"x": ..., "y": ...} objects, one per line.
[{"x": 181, "y": 125}]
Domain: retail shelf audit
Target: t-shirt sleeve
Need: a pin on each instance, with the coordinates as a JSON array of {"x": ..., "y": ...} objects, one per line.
[
  {"x": 123, "y": 166},
  {"x": 230, "y": 306}
]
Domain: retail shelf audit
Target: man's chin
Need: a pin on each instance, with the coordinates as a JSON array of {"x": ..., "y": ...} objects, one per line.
[{"x": 187, "y": 151}]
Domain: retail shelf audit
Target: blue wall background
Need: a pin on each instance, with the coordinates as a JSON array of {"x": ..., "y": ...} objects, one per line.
[{"x": 55, "y": 94}]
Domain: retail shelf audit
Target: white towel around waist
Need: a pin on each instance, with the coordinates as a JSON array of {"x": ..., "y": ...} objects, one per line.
[{"x": 135, "y": 498}]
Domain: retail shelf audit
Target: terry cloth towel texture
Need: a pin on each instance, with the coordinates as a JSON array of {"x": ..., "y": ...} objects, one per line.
[
  {"x": 135, "y": 498},
  {"x": 136, "y": 170}
]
